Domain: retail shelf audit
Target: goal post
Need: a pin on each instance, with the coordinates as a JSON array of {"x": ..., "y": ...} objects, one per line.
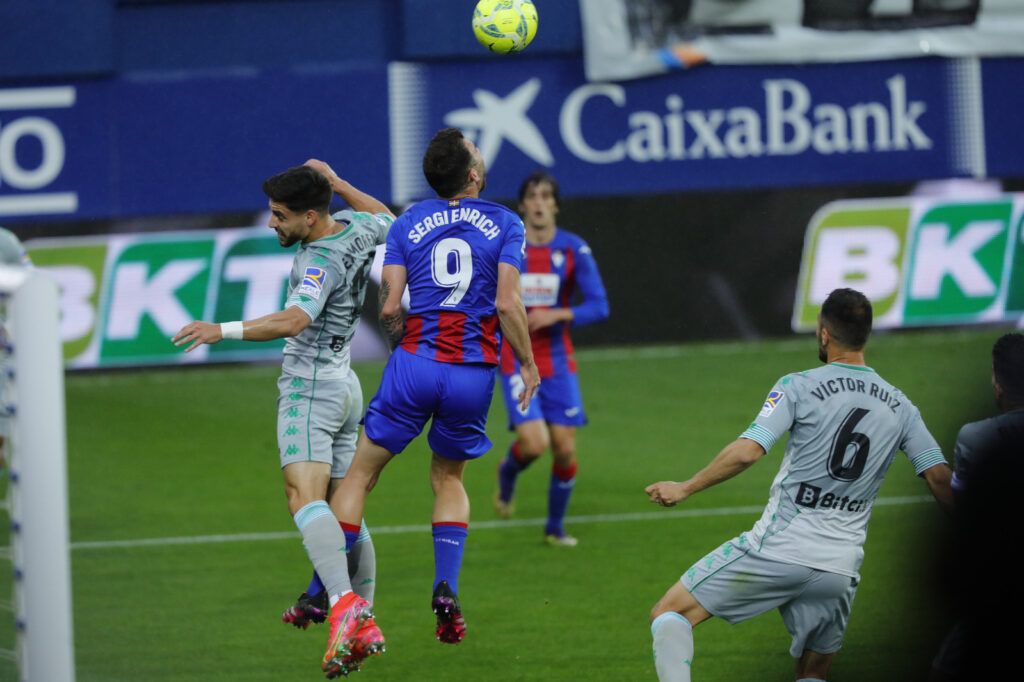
[{"x": 37, "y": 453}]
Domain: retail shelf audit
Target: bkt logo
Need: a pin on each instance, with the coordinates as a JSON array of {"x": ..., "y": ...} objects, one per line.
[
  {"x": 920, "y": 261},
  {"x": 788, "y": 122},
  {"x": 28, "y": 132},
  {"x": 124, "y": 296}
]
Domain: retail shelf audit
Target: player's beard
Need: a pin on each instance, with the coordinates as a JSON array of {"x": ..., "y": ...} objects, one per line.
[
  {"x": 286, "y": 240},
  {"x": 822, "y": 351}
]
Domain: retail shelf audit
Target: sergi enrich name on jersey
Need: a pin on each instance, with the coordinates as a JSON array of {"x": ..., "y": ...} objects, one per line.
[
  {"x": 827, "y": 389},
  {"x": 465, "y": 215}
]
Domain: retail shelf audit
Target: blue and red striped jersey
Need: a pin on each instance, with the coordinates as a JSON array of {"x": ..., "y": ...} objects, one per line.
[
  {"x": 451, "y": 250},
  {"x": 553, "y": 273}
]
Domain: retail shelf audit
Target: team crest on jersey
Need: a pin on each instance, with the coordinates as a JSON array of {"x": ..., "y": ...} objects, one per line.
[
  {"x": 771, "y": 402},
  {"x": 557, "y": 257},
  {"x": 313, "y": 281}
]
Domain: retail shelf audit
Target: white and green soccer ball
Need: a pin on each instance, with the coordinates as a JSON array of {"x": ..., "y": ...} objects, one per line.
[{"x": 505, "y": 26}]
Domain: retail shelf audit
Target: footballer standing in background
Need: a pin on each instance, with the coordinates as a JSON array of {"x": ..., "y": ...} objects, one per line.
[
  {"x": 461, "y": 258},
  {"x": 558, "y": 265},
  {"x": 320, "y": 401},
  {"x": 803, "y": 556},
  {"x": 987, "y": 459}
]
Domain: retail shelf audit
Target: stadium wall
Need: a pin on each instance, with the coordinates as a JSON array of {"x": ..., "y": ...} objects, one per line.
[{"x": 696, "y": 189}]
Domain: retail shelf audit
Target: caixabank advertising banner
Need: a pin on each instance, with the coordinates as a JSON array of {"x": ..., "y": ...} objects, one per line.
[
  {"x": 124, "y": 296},
  {"x": 203, "y": 143},
  {"x": 921, "y": 261}
]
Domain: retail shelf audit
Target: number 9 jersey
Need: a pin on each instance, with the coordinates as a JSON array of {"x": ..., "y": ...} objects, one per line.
[
  {"x": 845, "y": 425},
  {"x": 451, "y": 250}
]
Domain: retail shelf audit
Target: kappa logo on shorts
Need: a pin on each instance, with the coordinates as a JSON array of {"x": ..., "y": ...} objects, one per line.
[
  {"x": 313, "y": 281},
  {"x": 771, "y": 402}
]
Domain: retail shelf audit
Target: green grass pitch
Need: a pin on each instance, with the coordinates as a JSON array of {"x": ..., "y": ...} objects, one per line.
[{"x": 191, "y": 452}]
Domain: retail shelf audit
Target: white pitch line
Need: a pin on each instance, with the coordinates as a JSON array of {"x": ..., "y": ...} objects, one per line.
[
  {"x": 476, "y": 525},
  {"x": 802, "y": 344}
]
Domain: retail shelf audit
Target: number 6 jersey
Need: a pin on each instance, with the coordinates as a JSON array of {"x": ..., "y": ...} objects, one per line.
[
  {"x": 846, "y": 424},
  {"x": 451, "y": 250}
]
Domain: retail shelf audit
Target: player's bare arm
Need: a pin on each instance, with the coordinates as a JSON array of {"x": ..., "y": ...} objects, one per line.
[
  {"x": 515, "y": 328},
  {"x": 392, "y": 316},
  {"x": 735, "y": 458},
  {"x": 357, "y": 199},
  {"x": 541, "y": 318},
  {"x": 939, "y": 479},
  {"x": 288, "y": 322}
]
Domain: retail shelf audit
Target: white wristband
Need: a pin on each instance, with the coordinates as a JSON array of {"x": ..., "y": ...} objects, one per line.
[{"x": 231, "y": 330}]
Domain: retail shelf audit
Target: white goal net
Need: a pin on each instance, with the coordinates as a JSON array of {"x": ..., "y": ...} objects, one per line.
[{"x": 33, "y": 427}]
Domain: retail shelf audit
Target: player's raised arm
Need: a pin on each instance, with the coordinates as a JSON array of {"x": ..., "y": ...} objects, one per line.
[
  {"x": 288, "y": 322},
  {"x": 514, "y": 327},
  {"x": 356, "y": 198},
  {"x": 735, "y": 458}
]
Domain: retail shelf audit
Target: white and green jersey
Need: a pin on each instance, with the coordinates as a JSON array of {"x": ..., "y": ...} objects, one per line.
[
  {"x": 328, "y": 283},
  {"x": 846, "y": 424}
]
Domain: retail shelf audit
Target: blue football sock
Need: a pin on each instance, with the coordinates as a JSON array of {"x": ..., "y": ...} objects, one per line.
[
  {"x": 509, "y": 470},
  {"x": 562, "y": 481},
  {"x": 351, "y": 532},
  {"x": 315, "y": 585},
  {"x": 449, "y": 541}
]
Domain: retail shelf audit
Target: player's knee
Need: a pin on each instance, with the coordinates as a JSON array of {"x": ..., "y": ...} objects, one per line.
[
  {"x": 445, "y": 472},
  {"x": 564, "y": 452},
  {"x": 813, "y": 665},
  {"x": 299, "y": 496},
  {"x": 563, "y": 445},
  {"x": 533, "y": 446}
]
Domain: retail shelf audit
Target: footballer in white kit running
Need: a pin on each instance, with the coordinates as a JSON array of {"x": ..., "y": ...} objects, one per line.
[
  {"x": 845, "y": 425},
  {"x": 320, "y": 400}
]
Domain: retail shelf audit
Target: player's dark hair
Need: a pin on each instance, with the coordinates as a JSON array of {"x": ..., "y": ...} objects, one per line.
[
  {"x": 537, "y": 177},
  {"x": 846, "y": 313},
  {"x": 300, "y": 189},
  {"x": 1008, "y": 366},
  {"x": 446, "y": 162}
]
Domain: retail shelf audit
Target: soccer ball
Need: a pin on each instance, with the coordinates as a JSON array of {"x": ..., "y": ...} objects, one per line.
[{"x": 505, "y": 26}]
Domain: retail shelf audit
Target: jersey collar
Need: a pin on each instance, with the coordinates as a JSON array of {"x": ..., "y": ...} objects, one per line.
[{"x": 859, "y": 368}]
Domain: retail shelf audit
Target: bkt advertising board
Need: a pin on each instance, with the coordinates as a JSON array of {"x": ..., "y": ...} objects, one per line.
[
  {"x": 175, "y": 144},
  {"x": 921, "y": 261},
  {"x": 124, "y": 296}
]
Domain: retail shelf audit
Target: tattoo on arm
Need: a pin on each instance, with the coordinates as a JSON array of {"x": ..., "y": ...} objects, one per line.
[{"x": 393, "y": 326}]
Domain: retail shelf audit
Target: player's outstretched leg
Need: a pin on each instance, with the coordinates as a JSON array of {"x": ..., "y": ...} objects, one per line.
[
  {"x": 450, "y": 530},
  {"x": 672, "y": 621},
  {"x": 563, "y": 479},
  {"x": 311, "y": 607},
  {"x": 354, "y": 636},
  {"x": 673, "y": 647},
  {"x": 451, "y": 626},
  {"x": 449, "y": 542},
  {"x": 531, "y": 442},
  {"x": 362, "y": 565},
  {"x": 508, "y": 471}
]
